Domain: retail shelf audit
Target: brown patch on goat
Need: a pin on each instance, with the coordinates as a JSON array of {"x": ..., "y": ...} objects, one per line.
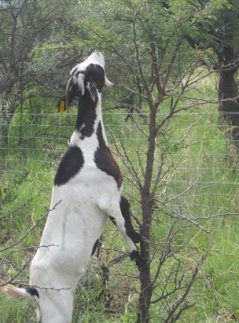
[{"x": 105, "y": 161}]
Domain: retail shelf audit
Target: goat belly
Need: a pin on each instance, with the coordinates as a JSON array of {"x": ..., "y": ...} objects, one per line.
[{"x": 70, "y": 233}]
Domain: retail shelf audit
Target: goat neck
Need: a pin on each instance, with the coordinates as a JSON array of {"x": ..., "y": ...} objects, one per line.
[{"x": 89, "y": 121}]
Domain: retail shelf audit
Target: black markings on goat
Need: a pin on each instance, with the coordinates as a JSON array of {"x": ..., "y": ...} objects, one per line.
[
  {"x": 86, "y": 115},
  {"x": 95, "y": 74},
  {"x": 70, "y": 165},
  {"x": 95, "y": 247},
  {"x": 125, "y": 210},
  {"x": 113, "y": 220},
  {"x": 135, "y": 256},
  {"x": 32, "y": 291}
]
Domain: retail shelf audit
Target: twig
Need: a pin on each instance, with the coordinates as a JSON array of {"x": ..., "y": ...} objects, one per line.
[{"x": 30, "y": 230}]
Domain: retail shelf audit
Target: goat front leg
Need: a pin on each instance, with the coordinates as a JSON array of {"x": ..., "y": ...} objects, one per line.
[
  {"x": 113, "y": 210},
  {"x": 125, "y": 210}
]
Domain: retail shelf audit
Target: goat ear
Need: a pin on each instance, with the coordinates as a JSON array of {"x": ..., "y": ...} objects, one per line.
[{"x": 91, "y": 87}]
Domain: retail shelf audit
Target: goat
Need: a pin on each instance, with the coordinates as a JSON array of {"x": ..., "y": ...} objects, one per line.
[{"x": 86, "y": 191}]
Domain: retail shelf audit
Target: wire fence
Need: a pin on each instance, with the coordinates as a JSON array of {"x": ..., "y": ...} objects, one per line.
[
  {"x": 200, "y": 170},
  {"x": 198, "y": 186}
]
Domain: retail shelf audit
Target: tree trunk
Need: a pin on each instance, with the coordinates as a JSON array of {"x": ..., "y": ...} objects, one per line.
[
  {"x": 229, "y": 103},
  {"x": 145, "y": 275},
  {"x": 7, "y": 112},
  {"x": 228, "y": 99},
  {"x": 4, "y": 124},
  {"x": 147, "y": 199}
]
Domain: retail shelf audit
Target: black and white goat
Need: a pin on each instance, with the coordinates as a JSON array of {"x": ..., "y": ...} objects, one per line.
[{"x": 87, "y": 190}]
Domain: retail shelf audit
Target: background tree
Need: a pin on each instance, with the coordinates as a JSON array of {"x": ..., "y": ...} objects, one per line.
[
  {"x": 21, "y": 27},
  {"x": 219, "y": 33},
  {"x": 34, "y": 52}
]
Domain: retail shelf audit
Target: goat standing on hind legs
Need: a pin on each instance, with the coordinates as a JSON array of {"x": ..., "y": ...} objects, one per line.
[{"x": 87, "y": 190}]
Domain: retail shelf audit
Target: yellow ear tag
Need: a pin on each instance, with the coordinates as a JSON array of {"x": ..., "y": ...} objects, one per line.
[{"x": 62, "y": 107}]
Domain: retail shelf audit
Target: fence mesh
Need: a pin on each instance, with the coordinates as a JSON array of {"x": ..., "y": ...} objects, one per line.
[{"x": 201, "y": 175}]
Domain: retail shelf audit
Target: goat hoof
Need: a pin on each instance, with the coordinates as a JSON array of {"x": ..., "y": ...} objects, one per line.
[
  {"x": 135, "y": 256},
  {"x": 136, "y": 237}
]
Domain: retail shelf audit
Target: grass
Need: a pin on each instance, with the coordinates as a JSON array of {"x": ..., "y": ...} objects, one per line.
[{"x": 201, "y": 184}]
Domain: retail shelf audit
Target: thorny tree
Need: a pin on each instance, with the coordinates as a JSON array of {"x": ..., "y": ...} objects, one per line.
[{"x": 166, "y": 69}]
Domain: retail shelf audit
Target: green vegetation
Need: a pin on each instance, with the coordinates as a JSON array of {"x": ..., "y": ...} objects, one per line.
[
  {"x": 201, "y": 182},
  {"x": 177, "y": 147}
]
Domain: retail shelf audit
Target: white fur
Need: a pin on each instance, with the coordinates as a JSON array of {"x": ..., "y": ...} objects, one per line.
[{"x": 95, "y": 58}]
